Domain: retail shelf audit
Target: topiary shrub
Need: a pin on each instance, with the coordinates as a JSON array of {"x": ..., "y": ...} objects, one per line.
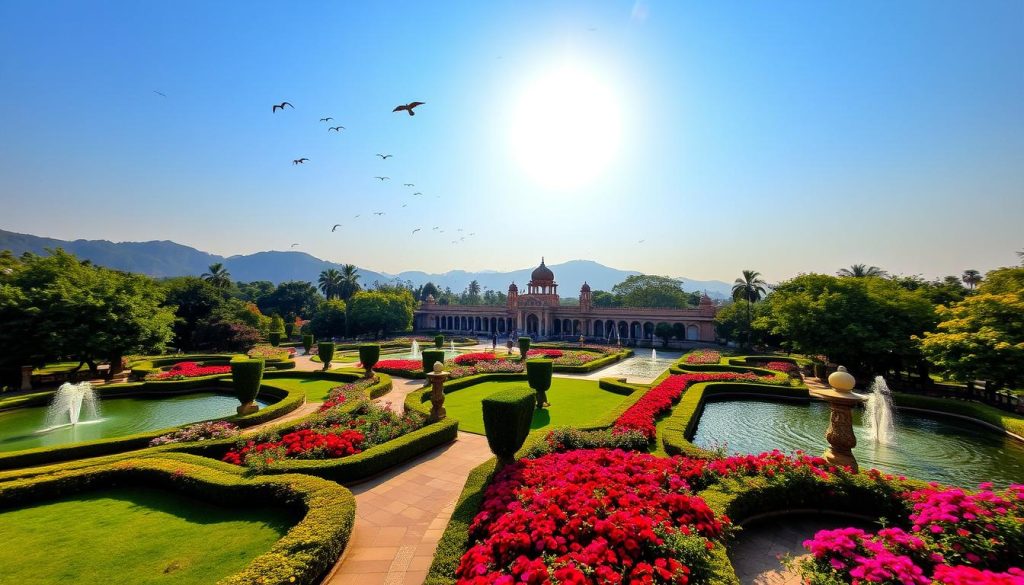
[
  {"x": 438, "y": 341},
  {"x": 307, "y": 343},
  {"x": 538, "y": 374},
  {"x": 289, "y": 329},
  {"x": 507, "y": 418},
  {"x": 429, "y": 357},
  {"x": 524, "y": 347},
  {"x": 246, "y": 375},
  {"x": 369, "y": 355},
  {"x": 275, "y": 338},
  {"x": 325, "y": 349}
]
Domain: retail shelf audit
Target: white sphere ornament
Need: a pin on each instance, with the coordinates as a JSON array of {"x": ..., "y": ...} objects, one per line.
[{"x": 841, "y": 380}]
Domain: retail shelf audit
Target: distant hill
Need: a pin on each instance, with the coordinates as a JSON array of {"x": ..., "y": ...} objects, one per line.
[{"x": 165, "y": 258}]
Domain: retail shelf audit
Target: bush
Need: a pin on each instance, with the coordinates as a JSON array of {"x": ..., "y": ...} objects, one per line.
[
  {"x": 524, "y": 347},
  {"x": 275, "y": 338},
  {"x": 507, "y": 417},
  {"x": 438, "y": 341},
  {"x": 307, "y": 343},
  {"x": 429, "y": 357},
  {"x": 369, "y": 354},
  {"x": 247, "y": 375},
  {"x": 538, "y": 374},
  {"x": 289, "y": 329},
  {"x": 325, "y": 350}
]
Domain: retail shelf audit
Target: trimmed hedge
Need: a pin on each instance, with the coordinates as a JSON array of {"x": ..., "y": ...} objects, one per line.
[
  {"x": 455, "y": 540},
  {"x": 369, "y": 355},
  {"x": 524, "y": 347},
  {"x": 303, "y": 555},
  {"x": 507, "y": 418},
  {"x": 438, "y": 341},
  {"x": 429, "y": 357},
  {"x": 246, "y": 376},
  {"x": 274, "y": 338},
  {"x": 307, "y": 343},
  {"x": 538, "y": 374},
  {"x": 325, "y": 351}
]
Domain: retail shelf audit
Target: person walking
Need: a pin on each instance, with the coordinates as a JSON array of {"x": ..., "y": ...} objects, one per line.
[{"x": 494, "y": 341}]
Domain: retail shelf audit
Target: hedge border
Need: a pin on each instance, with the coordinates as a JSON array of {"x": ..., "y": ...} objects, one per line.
[
  {"x": 455, "y": 539},
  {"x": 303, "y": 555},
  {"x": 287, "y": 401}
]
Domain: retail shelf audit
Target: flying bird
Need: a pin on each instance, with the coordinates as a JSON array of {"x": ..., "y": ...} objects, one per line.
[
  {"x": 281, "y": 107},
  {"x": 417, "y": 193},
  {"x": 378, "y": 213},
  {"x": 336, "y": 226},
  {"x": 416, "y": 230},
  {"x": 472, "y": 233},
  {"x": 293, "y": 245},
  {"x": 641, "y": 241},
  {"x": 336, "y": 128},
  {"x": 384, "y": 156},
  {"x": 326, "y": 119},
  {"x": 408, "y": 185},
  {"x": 382, "y": 178},
  {"x": 405, "y": 205},
  {"x": 358, "y": 214},
  {"x": 159, "y": 93},
  {"x": 435, "y": 227},
  {"x": 408, "y": 107},
  {"x": 299, "y": 161}
]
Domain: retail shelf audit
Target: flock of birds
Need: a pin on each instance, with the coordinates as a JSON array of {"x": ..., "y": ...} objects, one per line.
[{"x": 409, "y": 108}]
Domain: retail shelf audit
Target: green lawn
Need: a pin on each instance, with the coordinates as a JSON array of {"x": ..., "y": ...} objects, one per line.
[
  {"x": 574, "y": 403},
  {"x": 316, "y": 390},
  {"x": 134, "y": 535},
  {"x": 58, "y": 367}
]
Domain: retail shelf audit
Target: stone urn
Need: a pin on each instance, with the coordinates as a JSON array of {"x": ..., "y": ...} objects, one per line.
[
  {"x": 841, "y": 400},
  {"x": 437, "y": 378}
]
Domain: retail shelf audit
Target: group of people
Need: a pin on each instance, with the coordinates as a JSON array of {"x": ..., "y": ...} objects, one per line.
[{"x": 512, "y": 337}]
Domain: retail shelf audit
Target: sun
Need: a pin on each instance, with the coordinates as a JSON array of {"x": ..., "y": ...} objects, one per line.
[{"x": 566, "y": 126}]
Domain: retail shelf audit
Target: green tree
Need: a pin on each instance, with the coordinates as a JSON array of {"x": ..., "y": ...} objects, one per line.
[
  {"x": 428, "y": 289},
  {"x": 603, "y": 298},
  {"x": 971, "y": 278},
  {"x": 330, "y": 283},
  {"x": 349, "y": 282},
  {"x": 664, "y": 331},
  {"x": 751, "y": 288},
  {"x": 861, "y": 271},
  {"x": 291, "y": 299},
  {"x": 329, "y": 319},
  {"x": 863, "y": 323},
  {"x": 218, "y": 276},
  {"x": 641, "y": 290},
  {"x": 471, "y": 296},
  {"x": 946, "y": 291},
  {"x": 379, "y": 311},
  {"x": 982, "y": 337},
  {"x": 252, "y": 291},
  {"x": 192, "y": 300},
  {"x": 732, "y": 323}
]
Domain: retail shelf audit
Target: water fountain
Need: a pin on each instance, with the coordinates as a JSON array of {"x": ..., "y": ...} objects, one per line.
[
  {"x": 415, "y": 350},
  {"x": 840, "y": 437},
  {"x": 654, "y": 354},
  {"x": 451, "y": 345},
  {"x": 878, "y": 413},
  {"x": 70, "y": 402}
]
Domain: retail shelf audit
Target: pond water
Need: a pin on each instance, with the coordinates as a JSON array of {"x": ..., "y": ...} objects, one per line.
[
  {"x": 940, "y": 449},
  {"x": 20, "y": 428},
  {"x": 408, "y": 355},
  {"x": 639, "y": 368}
]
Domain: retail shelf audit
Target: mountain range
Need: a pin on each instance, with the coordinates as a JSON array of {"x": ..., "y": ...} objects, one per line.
[{"x": 164, "y": 258}]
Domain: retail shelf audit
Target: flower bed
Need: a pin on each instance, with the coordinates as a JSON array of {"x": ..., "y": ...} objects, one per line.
[
  {"x": 185, "y": 370},
  {"x": 269, "y": 352},
  {"x": 955, "y": 537},
  {"x": 406, "y": 368},
  {"x": 497, "y": 366},
  {"x": 641, "y": 416},
  {"x": 203, "y": 431},
  {"x": 575, "y": 358},
  {"x": 784, "y": 367},
  {"x": 469, "y": 359},
  {"x": 548, "y": 353},
  {"x": 703, "y": 356}
]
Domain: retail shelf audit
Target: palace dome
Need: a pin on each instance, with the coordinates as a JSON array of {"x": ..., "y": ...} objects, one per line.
[
  {"x": 542, "y": 273},
  {"x": 585, "y": 287}
]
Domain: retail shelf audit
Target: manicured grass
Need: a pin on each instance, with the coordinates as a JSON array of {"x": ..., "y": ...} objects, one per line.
[
  {"x": 134, "y": 535},
  {"x": 58, "y": 367},
  {"x": 574, "y": 403},
  {"x": 316, "y": 390}
]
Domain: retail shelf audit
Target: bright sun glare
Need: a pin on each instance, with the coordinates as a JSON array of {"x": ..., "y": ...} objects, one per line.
[{"x": 566, "y": 127}]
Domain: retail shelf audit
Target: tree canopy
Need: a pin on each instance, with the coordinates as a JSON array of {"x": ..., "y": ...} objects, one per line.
[
  {"x": 642, "y": 290},
  {"x": 295, "y": 298},
  {"x": 381, "y": 311}
]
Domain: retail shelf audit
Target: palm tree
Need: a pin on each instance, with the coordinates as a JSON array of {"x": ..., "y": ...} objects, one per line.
[
  {"x": 218, "y": 276},
  {"x": 862, "y": 270},
  {"x": 971, "y": 278},
  {"x": 330, "y": 283},
  {"x": 349, "y": 282},
  {"x": 751, "y": 288}
]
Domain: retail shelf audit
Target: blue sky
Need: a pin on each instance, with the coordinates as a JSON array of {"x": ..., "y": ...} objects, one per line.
[{"x": 781, "y": 136}]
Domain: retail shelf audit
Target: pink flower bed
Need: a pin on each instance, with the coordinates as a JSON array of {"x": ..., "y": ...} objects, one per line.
[
  {"x": 704, "y": 356},
  {"x": 469, "y": 359},
  {"x": 400, "y": 367},
  {"x": 183, "y": 370},
  {"x": 548, "y": 353}
]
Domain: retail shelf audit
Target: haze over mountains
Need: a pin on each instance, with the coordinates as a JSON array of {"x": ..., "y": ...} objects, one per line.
[{"x": 165, "y": 258}]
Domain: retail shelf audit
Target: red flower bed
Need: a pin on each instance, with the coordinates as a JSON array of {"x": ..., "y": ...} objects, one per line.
[
  {"x": 304, "y": 444},
  {"x": 596, "y": 516},
  {"x": 405, "y": 366},
  {"x": 182, "y": 370},
  {"x": 469, "y": 359},
  {"x": 704, "y": 356},
  {"x": 784, "y": 367},
  {"x": 548, "y": 353},
  {"x": 640, "y": 416}
]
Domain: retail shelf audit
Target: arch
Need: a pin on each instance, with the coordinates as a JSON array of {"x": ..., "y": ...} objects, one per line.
[
  {"x": 576, "y": 326},
  {"x": 556, "y": 327},
  {"x": 501, "y": 326},
  {"x": 477, "y": 323},
  {"x": 598, "y": 328},
  {"x": 692, "y": 332},
  {"x": 635, "y": 330},
  {"x": 532, "y": 324},
  {"x": 494, "y": 324},
  {"x": 623, "y": 330},
  {"x": 649, "y": 330}
]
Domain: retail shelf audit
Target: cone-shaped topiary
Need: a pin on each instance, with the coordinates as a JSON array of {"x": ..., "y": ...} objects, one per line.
[
  {"x": 325, "y": 349},
  {"x": 289, "y": 329},
  {"x": 524, "y": 347},
  {"x": 246, "y": 375},
  {"x": 307, "y": 342},
  {"x": 538, "y": 374},
  {"x": 439, "y": 341},
  {"x": 275, "y": 338},
  {"x": 429, "y": 357},
  {"x": 369, "y": 355},
  {"x": 507, "y": 418}
]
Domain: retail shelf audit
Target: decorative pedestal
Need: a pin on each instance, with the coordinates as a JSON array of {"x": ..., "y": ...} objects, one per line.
[
  {"x": 247, "y": 408},
  {"x": 839, "y": 435},
  {"x": 437, "y": 378},
  {"x": 26, "y": 377}
]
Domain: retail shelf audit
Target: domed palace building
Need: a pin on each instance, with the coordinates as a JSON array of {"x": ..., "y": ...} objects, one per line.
[{"x": 538, "y": 314}]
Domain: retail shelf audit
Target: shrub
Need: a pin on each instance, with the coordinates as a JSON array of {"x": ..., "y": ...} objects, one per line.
[
  {"x": 369, "y": 354},
  {"x": 307, "y": 343},
  {"x": 289, "y": 328},
  {"x": 325, "y": 350},
  {"x": 438, "y": 341},
  {"x": 507, "y": 417},
  {"x": 247, "y": 375},
  {"x": 524, "y": 347},
  {"x": 275, "y": 338},
  {"x": 203, "y": 431},
  {"x": 563, "y": 439},
  {"x": 538, "y": 374},
  {"x": 429, "y": 357}
]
